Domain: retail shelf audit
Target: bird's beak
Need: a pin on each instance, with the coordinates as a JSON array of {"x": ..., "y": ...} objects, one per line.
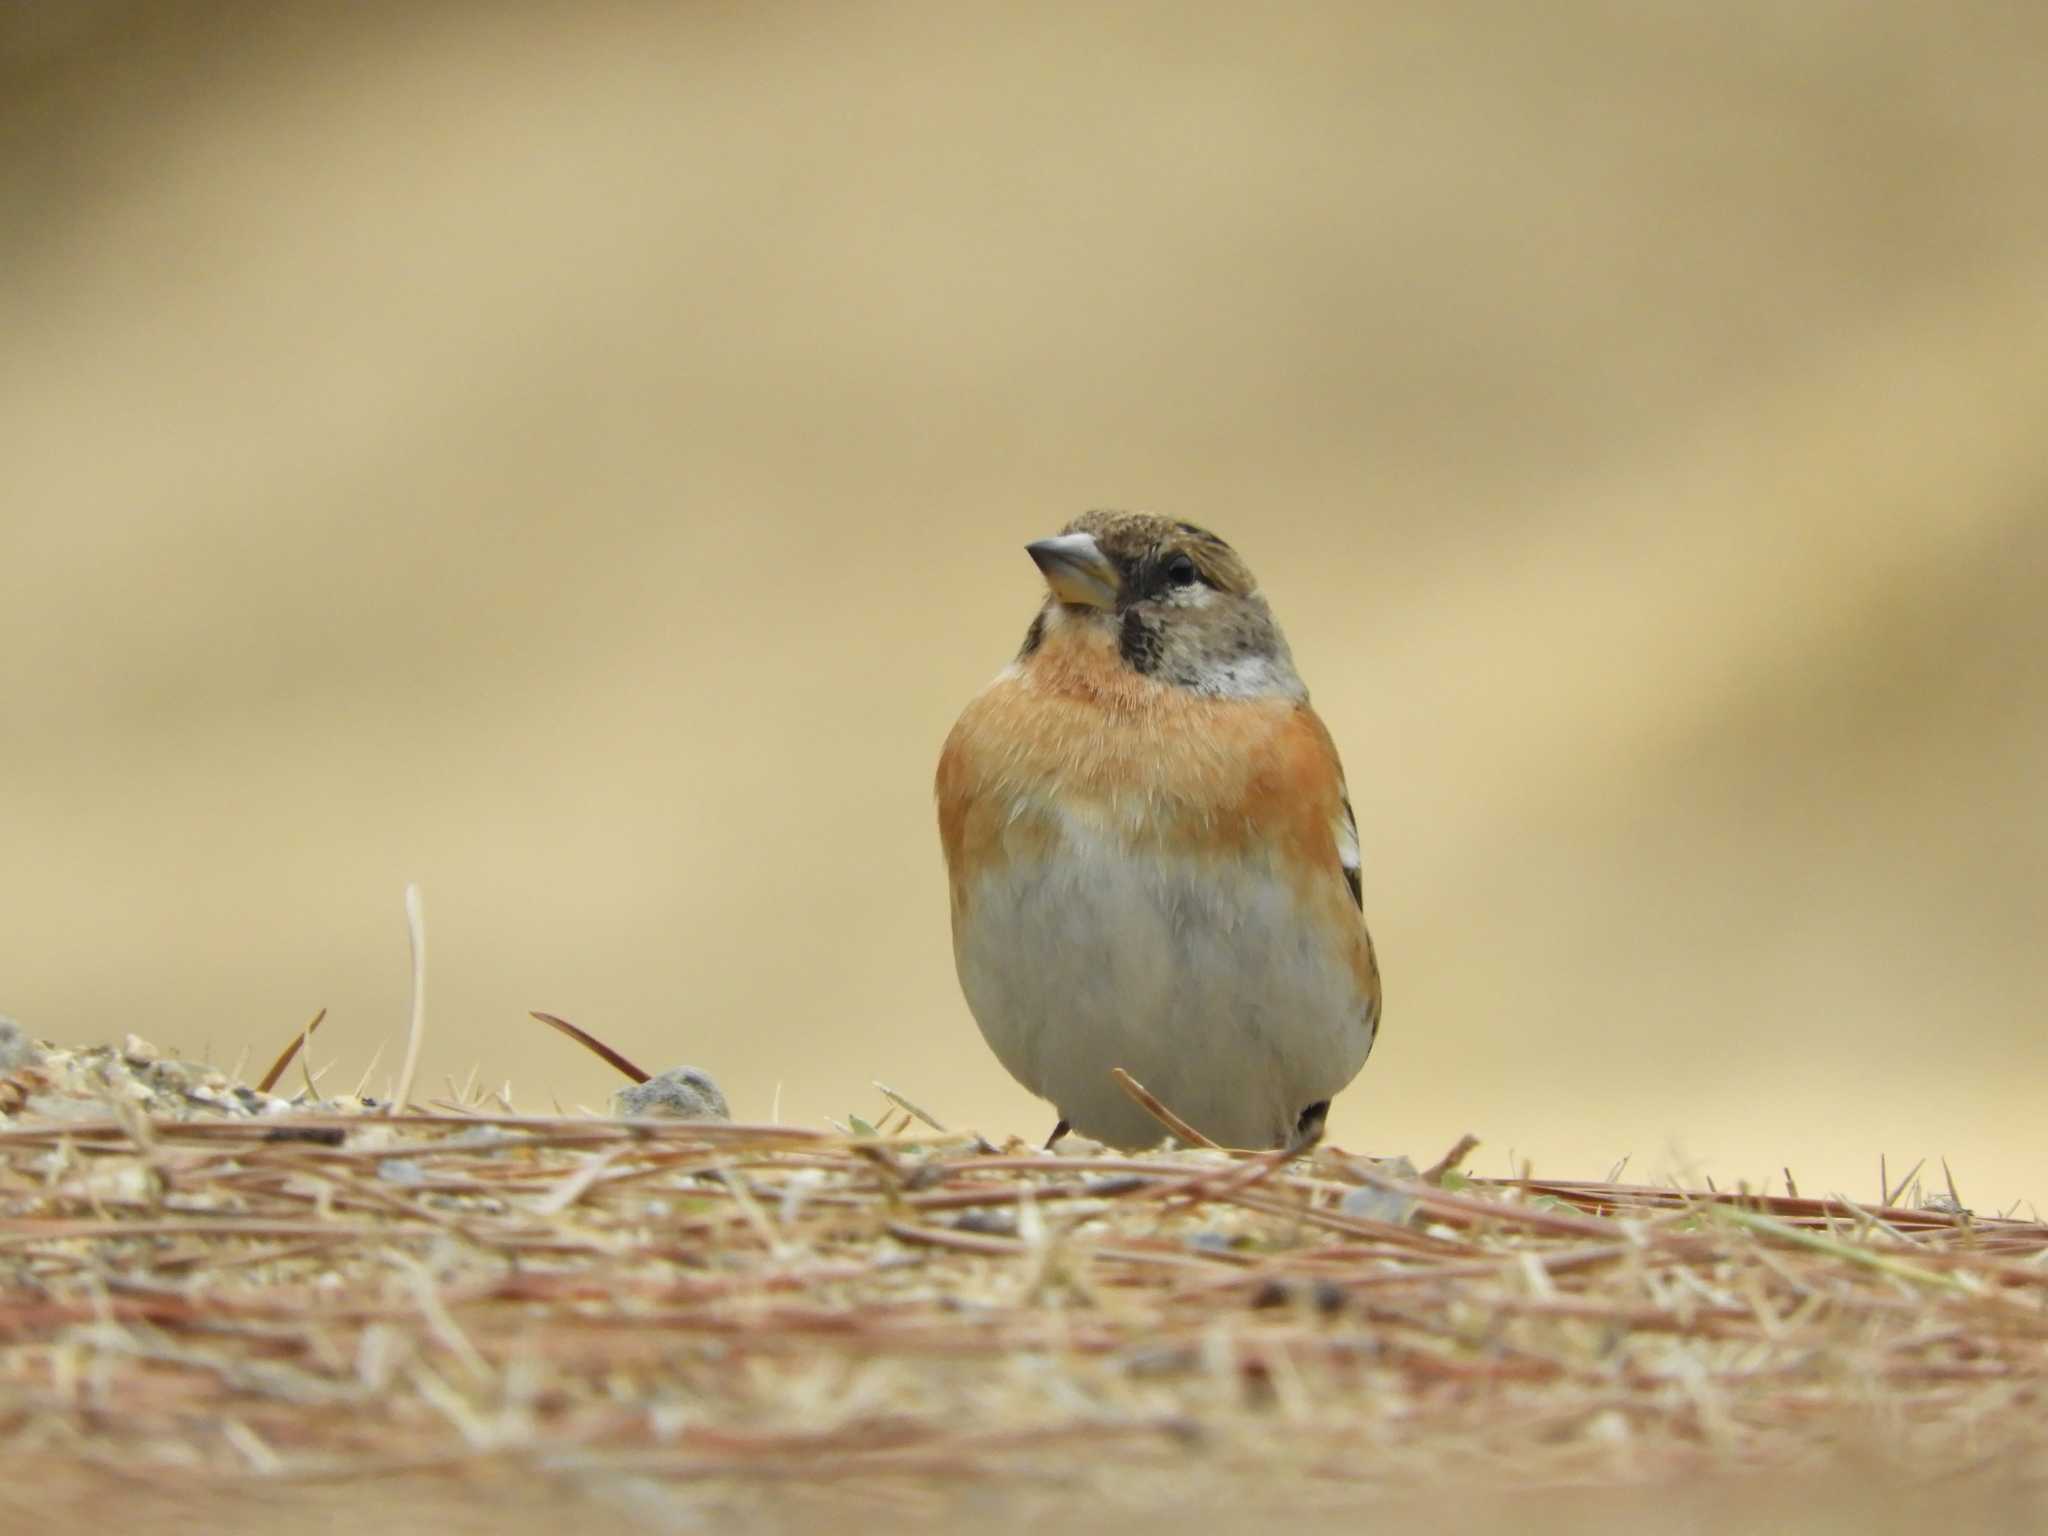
[{"x": 1076, "y": 569}]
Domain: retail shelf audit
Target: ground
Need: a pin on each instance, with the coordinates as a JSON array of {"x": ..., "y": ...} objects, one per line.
[{"x": 238, "y": 1305}]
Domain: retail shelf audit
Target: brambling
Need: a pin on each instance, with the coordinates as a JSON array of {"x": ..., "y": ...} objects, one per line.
[{"x": 1151, "y": 851}]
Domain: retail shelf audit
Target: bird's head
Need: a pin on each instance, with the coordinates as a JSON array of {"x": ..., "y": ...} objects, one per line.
[{"x": 1181, "y": 605}]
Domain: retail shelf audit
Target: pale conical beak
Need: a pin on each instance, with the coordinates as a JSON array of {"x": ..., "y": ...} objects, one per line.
[{"x": 1076, "y": 569}]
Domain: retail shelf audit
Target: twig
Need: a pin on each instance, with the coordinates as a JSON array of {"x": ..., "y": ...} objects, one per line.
[
  {"x": 416, "y": 928},
  {"x": 375, "y": 1057},
  {"x": 1891, "y": 1196},
  {"x": 909, "y": 1108},
  {"x": 1145, "y": 1100},
  {"x": 1464, "y": 1147}
]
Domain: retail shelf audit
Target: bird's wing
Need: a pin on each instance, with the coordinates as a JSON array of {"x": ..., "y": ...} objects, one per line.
[
  {"x": 1347, "y": 851},
  {"x": 1315, "y": 782}
]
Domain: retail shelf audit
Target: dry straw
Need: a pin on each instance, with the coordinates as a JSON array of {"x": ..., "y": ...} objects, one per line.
[{"x": 318, "y": 1295}]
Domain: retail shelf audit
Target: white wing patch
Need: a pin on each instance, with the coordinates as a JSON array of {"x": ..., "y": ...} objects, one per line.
[{"x": 1347, "y": 852}]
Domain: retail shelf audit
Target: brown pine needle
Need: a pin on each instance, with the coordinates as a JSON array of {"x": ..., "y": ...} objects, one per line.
[
  {"x": 1144, "y": 1098},
  {"x": 1464, "y": 1148},
  {"x": 277, "y": 1068},
  {"x": 592, "y": 1044},
  {"x": 461, "y": 1294}
]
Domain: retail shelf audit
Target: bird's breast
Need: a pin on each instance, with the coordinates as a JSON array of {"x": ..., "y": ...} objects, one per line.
[{"x": 1153, "y": 881}]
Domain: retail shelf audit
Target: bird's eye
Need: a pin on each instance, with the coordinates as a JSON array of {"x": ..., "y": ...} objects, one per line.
[{"x": 1180, "y": 570}]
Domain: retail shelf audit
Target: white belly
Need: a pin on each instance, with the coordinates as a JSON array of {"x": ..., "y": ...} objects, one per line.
[{"x": 1213, "y": 993}]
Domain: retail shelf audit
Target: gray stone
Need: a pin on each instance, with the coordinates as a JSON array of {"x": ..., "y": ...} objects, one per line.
[
  {"x": 1370, "y": 1204},
  {"x": 17, "y": 1050},
  {"x": 681, "y": 1093}
]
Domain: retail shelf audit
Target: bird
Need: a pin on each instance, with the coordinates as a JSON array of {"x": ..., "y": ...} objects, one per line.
[{"x": 1151, "y": 855}]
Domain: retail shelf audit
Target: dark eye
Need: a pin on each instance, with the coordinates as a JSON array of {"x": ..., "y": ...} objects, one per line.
[{"x": 1180, "y": 570}]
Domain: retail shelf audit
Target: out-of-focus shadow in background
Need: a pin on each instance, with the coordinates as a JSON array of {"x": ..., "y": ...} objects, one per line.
[{"x": 577, "y": 457}]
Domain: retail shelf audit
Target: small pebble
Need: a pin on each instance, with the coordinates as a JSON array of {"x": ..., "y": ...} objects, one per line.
[
  {"x": 476, "y": 1135},
  {"x": 180, "y": 1076},
  {"x": 17, "y": 1050},
  {"x": 987, "y": 1223},
  {"x": 681, "y": 1093},
  {"x": 1370, "y": 1204}
]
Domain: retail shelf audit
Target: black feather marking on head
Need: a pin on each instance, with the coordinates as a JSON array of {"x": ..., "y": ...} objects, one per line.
[
  {"x": 1356, "y": 881},
  {"x": 1034, "y": 637},
  {"x": 1138, "y": 642},
  {"x": 1131, "y": 579}
]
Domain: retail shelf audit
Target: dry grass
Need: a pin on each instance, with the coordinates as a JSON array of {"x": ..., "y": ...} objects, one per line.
[{"x": 752, "y": 1316}]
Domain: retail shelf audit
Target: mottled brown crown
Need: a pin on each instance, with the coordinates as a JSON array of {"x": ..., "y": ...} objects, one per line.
[{"x": 1141, "y": 542}]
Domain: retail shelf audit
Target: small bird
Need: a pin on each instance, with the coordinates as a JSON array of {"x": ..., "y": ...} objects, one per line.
[{"x": 1151, "y": 851}]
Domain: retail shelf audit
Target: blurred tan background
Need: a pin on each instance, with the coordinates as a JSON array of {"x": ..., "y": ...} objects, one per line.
[{"x": 576, "y": 457}]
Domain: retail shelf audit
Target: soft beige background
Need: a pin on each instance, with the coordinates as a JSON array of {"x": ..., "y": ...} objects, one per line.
[{"x": 576, "y": 457}]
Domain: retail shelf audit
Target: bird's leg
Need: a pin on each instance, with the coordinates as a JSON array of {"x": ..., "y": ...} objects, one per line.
[{"x": 1057, "y": 1132}]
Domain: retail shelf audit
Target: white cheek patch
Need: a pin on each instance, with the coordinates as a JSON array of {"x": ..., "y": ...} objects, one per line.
[
  {"x": 1238, "y": 675},
  {"x": 1250, "y": 677}
]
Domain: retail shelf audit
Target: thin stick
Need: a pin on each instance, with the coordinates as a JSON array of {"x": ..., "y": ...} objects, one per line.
[
  {"x": 269, "y": 1079},
  {"x": 909, "y": 1108},
  {"x": 1891, "y": 1197},
  {"x": 374, "y": 1057},
  {"x": 416, "y": 928},
  {"x": 1144, "y": 1098},
  {"x": 1756, "y": 1221},
  {"x": 591, "y": 1044},
  {"x": 1434, "y": 1173}
]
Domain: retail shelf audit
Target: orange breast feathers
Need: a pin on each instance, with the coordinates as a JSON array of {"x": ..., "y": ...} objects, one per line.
[{"x": 1069, "y": 738}]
